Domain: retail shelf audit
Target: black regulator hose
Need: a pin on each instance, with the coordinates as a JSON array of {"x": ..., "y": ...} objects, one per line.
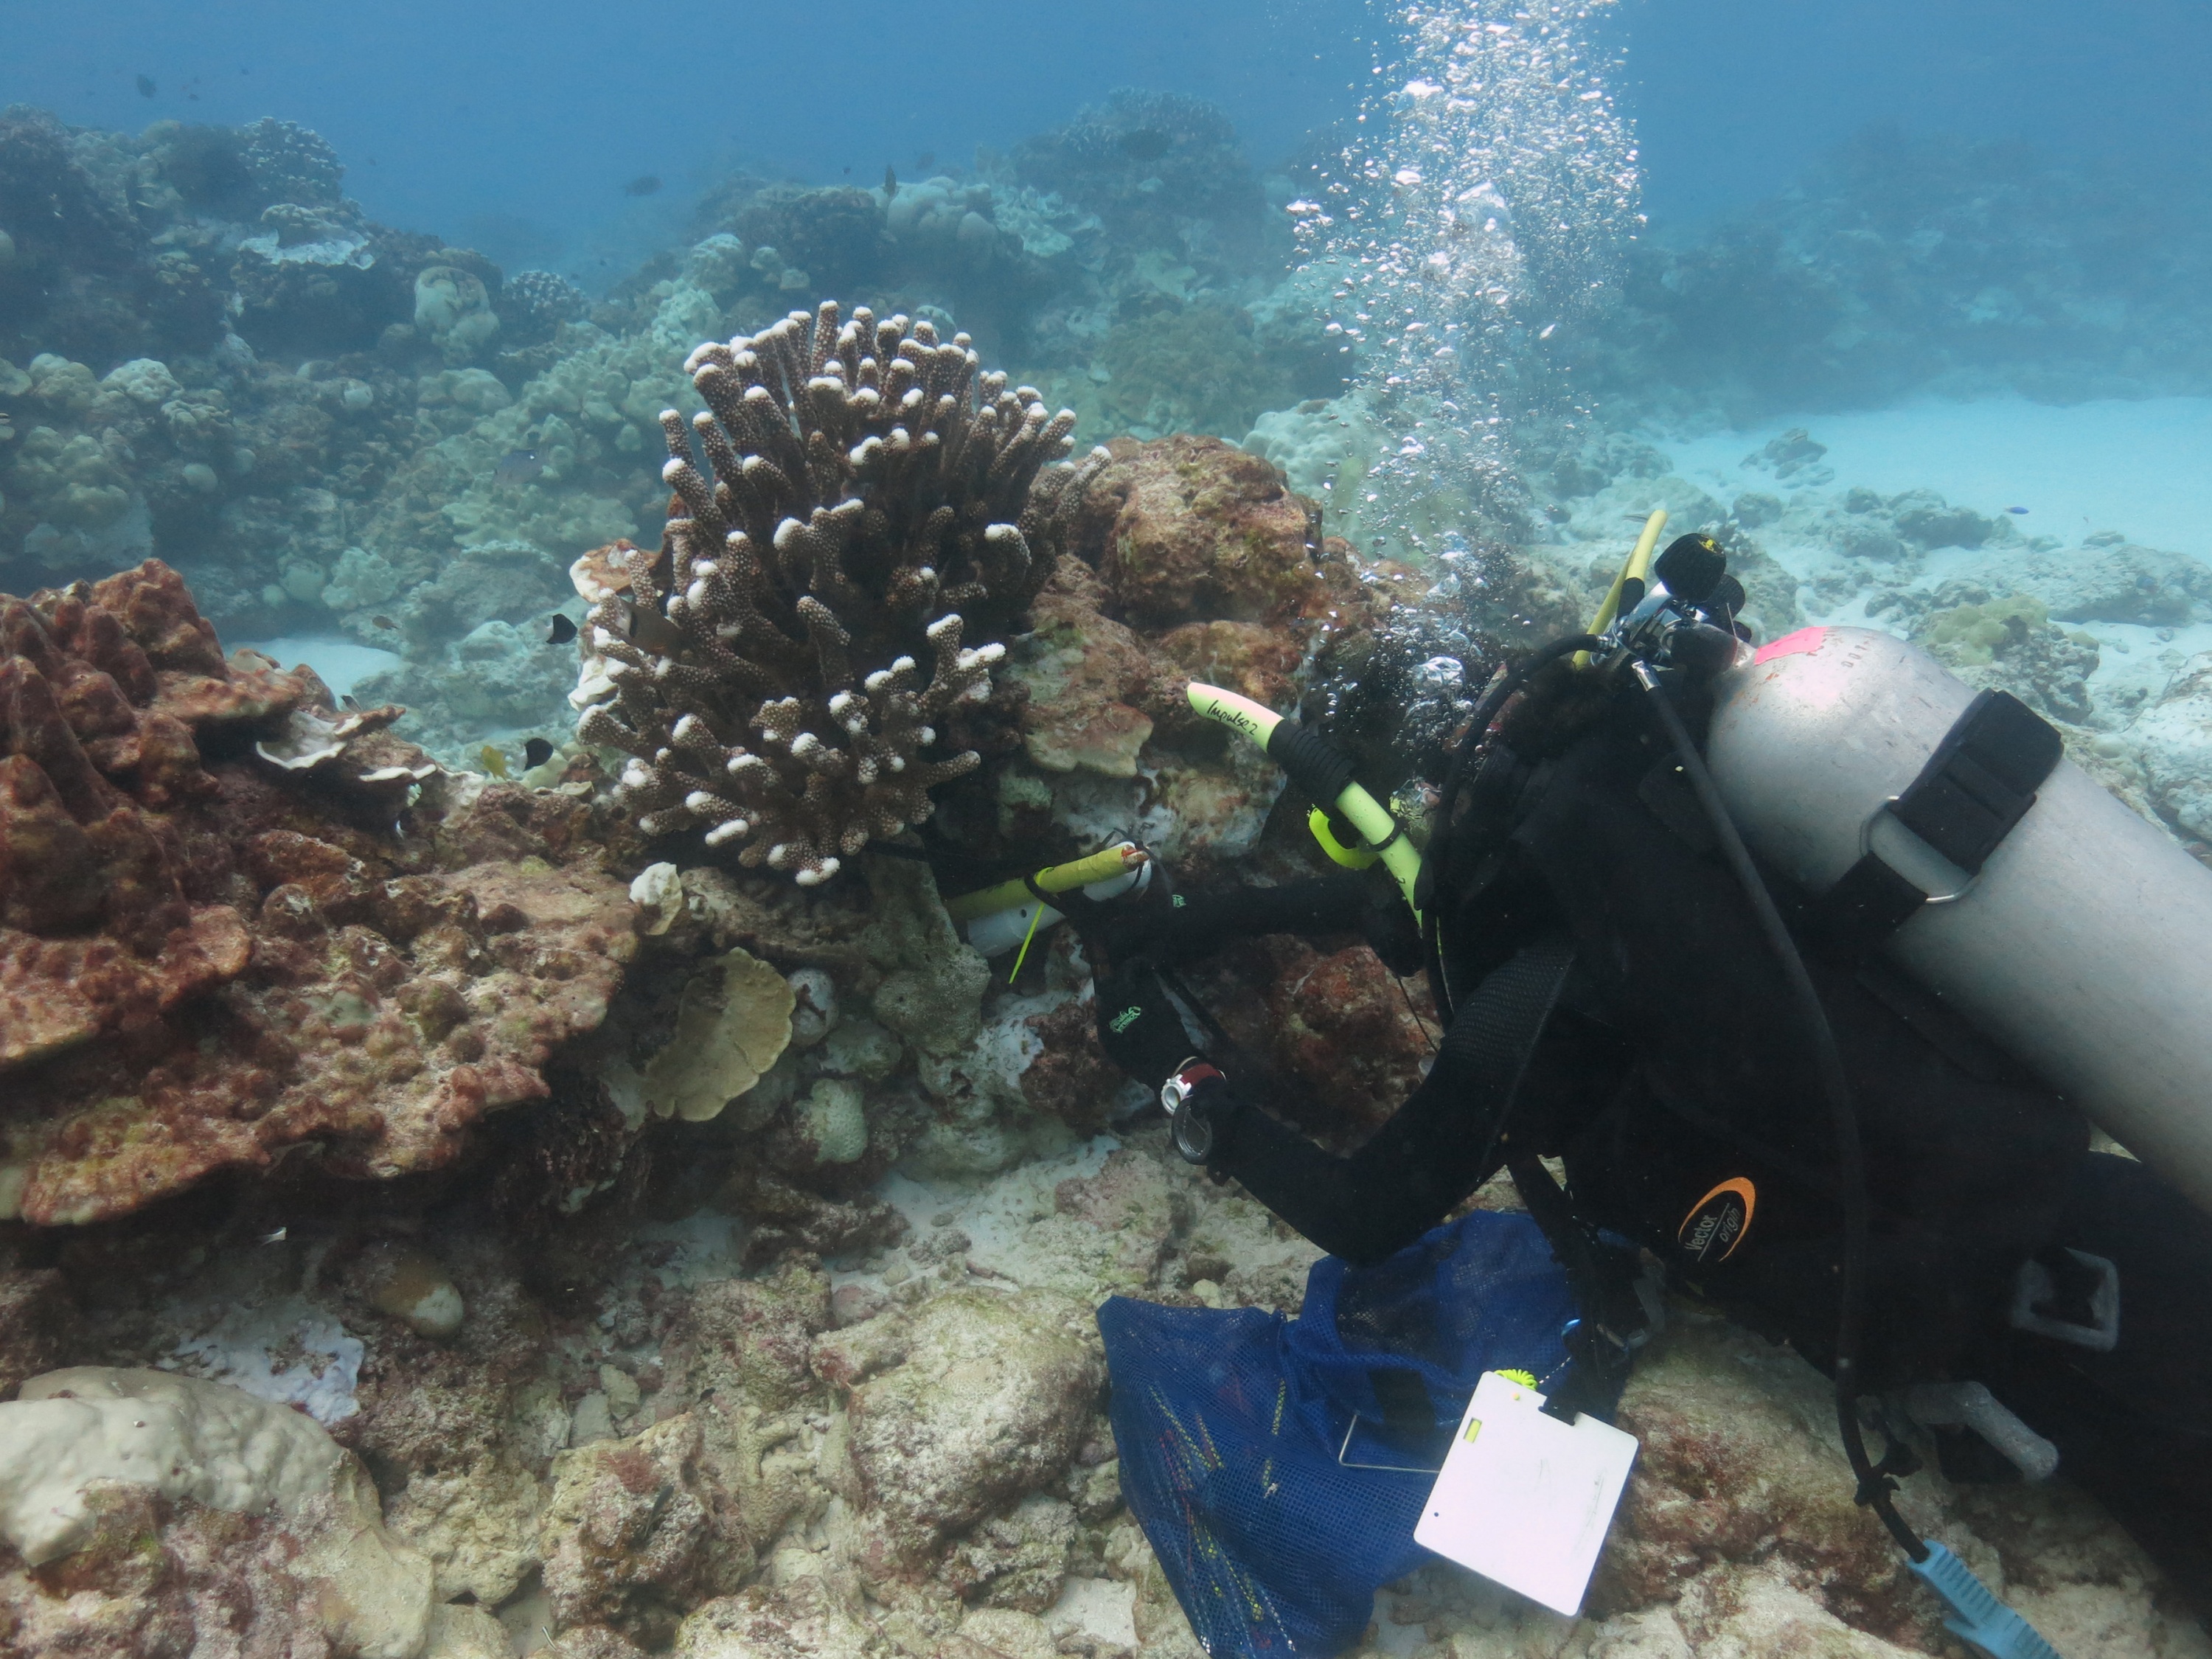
[
  {"x": 1486, "y": 710},
  {"x": 1875, "y": 1484}
]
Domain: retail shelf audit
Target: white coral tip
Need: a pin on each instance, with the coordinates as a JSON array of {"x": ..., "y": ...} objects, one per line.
[
  {"x": 814, "y": 878},
  {"x": 700, "y": 801},
  {"x": 726, "y": 831}
]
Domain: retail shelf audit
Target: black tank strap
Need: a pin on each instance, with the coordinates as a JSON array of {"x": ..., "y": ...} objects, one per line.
[{"x": 1979, "y": 783}]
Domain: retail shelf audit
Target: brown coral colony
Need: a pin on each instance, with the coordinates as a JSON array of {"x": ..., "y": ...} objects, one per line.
[
  {"x": 206, "y": 961},
  {"x": 780, "y": 672}
]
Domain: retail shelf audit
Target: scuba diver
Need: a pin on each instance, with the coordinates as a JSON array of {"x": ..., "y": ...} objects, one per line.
[{"x": 1805, "y": 964}]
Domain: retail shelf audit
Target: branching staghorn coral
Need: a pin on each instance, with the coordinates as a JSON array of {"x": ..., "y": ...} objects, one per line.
[{"x": 780, "y": 669}]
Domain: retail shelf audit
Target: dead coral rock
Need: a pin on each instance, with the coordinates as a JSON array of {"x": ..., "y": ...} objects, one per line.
[
  {"x": 1736, "y": 1475},
  {"x": 1072, "y": 1079},
  {"x": 750, "y": 1339},
  {"x": 1256, "y": 662},
  {"x": 36, "y": 1314},
  {"x": 804, "y": 1619},
  {"x": 273, "y": 964},
  {"x": 1131, "y": 1202},
  {"x": 141, "y": 1576},
  {"x": 932, "y": 992},
  {"x": 626, "y": 1539},
  {"x": 787, "y": 1217},
  {"x": 1335, "y": 1021},
  {"x": 1088, "y": 680},
  {"x": 988, "y": 1402},
  {"x": 591, "y": 1642},
  {"x": 1017, "y": 1561},
  {"x": 1186, "y": 529},
  {"x": 436, "y": 1425},
  {"x": 477, "y": 1522}
]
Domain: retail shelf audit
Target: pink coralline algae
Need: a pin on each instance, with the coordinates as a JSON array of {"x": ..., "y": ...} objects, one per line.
[{"x": 225, "y": 934}]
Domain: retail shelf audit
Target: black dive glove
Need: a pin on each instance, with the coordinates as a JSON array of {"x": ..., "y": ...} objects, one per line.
[{"x": 1139, "y": 1026}]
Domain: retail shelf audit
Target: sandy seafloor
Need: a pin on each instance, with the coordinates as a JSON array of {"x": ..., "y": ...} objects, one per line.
[{"x": 2143, "y": 468}]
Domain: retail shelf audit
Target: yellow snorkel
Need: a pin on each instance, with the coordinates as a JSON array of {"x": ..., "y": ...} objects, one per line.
[
  {"x": 1621, "y": 596},
  {"x": 1323, "y": 773}
]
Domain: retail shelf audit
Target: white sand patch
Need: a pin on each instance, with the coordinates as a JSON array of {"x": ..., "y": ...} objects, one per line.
[
  {"x": 1099, "y": 1607},
  {"x": 2143, "y": 468},
  {"x": 340, "y": 663},
  {"x": 997, "y": 1213}
]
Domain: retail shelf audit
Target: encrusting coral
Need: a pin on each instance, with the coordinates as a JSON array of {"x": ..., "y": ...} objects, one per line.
[
  {"x": 873, "y": 503},
  {"x": 218, "y": 940}
]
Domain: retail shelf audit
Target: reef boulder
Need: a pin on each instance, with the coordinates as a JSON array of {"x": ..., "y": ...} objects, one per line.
[
  {"x": 1189, "y": 529},
  {"x": 226, "y": 930}
]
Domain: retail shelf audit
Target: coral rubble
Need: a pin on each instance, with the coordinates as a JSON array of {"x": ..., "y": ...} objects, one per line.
[
  {"x": 872, "y": 503},
  {"x": 215, "y": 942}
]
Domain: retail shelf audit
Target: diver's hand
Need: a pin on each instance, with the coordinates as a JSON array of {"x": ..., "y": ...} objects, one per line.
[{"x": 1139, "y": 1026}]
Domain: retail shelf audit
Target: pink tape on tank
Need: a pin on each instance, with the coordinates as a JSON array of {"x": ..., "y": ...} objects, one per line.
[{"x": 1791, "y": 645}]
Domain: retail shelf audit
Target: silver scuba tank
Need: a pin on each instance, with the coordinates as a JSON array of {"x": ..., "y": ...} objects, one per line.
[{"x": 2083, "y": 945}]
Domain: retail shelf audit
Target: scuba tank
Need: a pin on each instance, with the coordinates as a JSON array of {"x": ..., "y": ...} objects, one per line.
[{"x": 2067, "y": 929}]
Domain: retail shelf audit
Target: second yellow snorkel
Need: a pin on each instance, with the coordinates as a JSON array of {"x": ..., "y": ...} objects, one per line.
[{"x": 1321, "y": 772}]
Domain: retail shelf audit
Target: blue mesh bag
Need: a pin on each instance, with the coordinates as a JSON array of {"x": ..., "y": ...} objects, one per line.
[{"x": 1279, "y": 1465}]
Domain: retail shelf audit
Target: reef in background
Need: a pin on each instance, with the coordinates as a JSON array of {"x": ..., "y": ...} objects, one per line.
[{"x": 1929, "y": 264}]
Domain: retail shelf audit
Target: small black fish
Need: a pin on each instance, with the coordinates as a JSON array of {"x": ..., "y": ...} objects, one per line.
[
  {"x": 890, "y": 179},
  {"x": 645, "y": 184},
  {"x": 926, "y": 161},
  {"x": 1144, "y": 144},
  {"x": 537, "y": 752},
  {"x": 385, "y": 622},
  {"x": 352, "y": 702},
  {"x": 146, "y": 86},
  {"x": 559, "y": 631},
  {"x": 2020, "y": 510},
  {"x": 517, "y": 466}
]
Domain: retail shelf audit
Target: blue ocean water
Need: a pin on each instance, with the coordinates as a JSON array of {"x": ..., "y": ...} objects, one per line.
[
  {"x": 459, "y": 116},
  {"x": 1510, "y": 252}
]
